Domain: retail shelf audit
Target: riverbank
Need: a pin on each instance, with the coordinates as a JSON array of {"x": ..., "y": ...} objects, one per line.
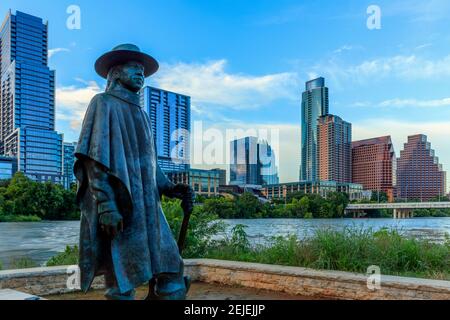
[
  {"x": 19, "y": 218},
  {"x": 42, "y": 240},
  {"x": 349, "y": 250}
]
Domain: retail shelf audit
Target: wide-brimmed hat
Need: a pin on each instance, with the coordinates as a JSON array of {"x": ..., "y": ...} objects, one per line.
[{"x": 124, "y": 53}]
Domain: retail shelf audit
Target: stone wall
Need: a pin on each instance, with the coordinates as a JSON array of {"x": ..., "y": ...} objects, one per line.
[
  {"x": 291, "y": 280},
  {"x": 315, "y": 283},
  {"x": 41, "y": 281}
]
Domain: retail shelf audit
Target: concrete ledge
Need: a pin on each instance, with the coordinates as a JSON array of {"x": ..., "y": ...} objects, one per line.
[
  {"x": 291, "y": 280},
  {"x": 41, "y": 281},
  {"x": 315, "y": 283}
]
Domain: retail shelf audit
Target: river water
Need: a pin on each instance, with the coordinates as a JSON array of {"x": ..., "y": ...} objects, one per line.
[{"x": 41, "y": 240}]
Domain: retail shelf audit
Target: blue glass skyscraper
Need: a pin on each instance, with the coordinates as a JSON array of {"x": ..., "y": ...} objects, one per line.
[
  {"x": 27, "y": 99},
  {"x": 244, "y": 166},
  {"x": 68, "y": 162},
  {"x": 252, "y": 162},
  {"x": 170, "y": 116},
  {"x": 314, "y": 105},
  {"x": 268, "y": 168}
]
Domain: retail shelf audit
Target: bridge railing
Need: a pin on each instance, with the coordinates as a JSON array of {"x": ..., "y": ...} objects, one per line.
[{"x": 399, "y": 205}]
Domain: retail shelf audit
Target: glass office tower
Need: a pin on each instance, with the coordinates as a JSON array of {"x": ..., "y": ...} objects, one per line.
[
  {"x": 170, "y": 116},
  {"x": 314, "y": 105},
  {"x": 252, "y": 162},
  {"x": 268, "y": 168},
  {"x": 27, "y": 100},
  {"x": 244, "y": 167},
  {"x": 68, "y": 162}
]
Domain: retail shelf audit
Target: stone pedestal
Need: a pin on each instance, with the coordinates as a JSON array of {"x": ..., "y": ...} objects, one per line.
[{"x": 8, "y": 294}]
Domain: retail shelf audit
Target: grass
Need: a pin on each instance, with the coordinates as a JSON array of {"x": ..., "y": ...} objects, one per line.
[
  {"x": 19, "y": 218},
  {"x": 350, "y": 250},
  {"x": 66, "y": 258},
  {"x": 22, "y": 263}
]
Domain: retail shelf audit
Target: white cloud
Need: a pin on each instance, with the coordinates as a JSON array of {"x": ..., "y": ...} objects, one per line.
[
  {"x": 404, "y": 67},
  {"x": 423, "y": 46},
  {"x": 210, "y": 83},
  {"x": 405, "y": 103},
  {"x": 343, "y": 48},
  {"x": 52, "y": 52},
  {"x": 72, "y": 102}
]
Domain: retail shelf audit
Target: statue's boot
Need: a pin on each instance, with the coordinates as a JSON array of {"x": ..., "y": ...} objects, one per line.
[
  {"x": 172, "y": 287},
  {"x": 169, "y": 286},
  {"x": 112, "y": 289},
  {"x": 114, "y": 294}
]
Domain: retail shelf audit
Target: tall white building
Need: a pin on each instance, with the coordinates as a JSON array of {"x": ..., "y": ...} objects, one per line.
[{"x": 170, "y": 115}]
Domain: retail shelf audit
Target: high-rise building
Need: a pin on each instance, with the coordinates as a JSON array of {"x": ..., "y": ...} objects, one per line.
[
  {"x": 419, "y": 174},
  {"x": 68, "y": 162},
  {"x": 170, "y": 115},
  {"x": 244, "y": 167},
  {"x": 222, "y": 176},
  {"x": 374, "y": 165},
  {"x": 334, "y": 149},
  {"x": 27, "y": 99},
  {"x": 252, "y": 162},
  {"x": 8, "y": 166},
  {"x": 314, "y": 105},
  {"x": 268, "y": 168}
]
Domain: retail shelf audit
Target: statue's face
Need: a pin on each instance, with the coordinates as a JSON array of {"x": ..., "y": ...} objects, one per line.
[{"x": 132, "y": 76}]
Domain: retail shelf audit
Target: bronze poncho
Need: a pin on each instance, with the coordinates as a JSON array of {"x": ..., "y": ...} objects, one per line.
[{"x": 116, "y": 133}]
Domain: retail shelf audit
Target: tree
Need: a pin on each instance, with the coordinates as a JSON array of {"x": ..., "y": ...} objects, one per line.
[
  {"x": 379, "y": 196},
  {"x": 223, "y": 208},
  {"x": 24, "y": 197},
  {"x": 248, "y": 206}
]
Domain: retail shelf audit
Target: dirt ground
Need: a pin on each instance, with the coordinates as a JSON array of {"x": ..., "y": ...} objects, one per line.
[{"x": 198, "y": 291}]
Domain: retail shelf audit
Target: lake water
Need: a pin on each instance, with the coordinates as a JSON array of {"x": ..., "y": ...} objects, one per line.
[{"x": 41, "y": 240}]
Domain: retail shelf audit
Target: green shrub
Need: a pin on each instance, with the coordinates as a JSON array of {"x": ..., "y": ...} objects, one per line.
[
  {"x": 203, "y": 226},
  {"x": 22, "y": 263},
  {"x": 21, "y": 197},
  {"x": 308, "y": 215},
  {"x": 19, "y": 218},
  {"x": 67, "y": 258},
  {"x": 349, "y": 249}
]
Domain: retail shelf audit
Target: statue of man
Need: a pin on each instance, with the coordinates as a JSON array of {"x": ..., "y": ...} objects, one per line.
[{"x": 124, "y": 234}]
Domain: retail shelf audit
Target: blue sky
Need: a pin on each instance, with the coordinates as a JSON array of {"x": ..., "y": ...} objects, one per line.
[{"x": 244, "y": 63}]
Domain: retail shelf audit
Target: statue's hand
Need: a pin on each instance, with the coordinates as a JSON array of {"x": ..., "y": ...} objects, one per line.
[
  {"x": 186, "y": 194},
  {"x": 111, "y": 223}
]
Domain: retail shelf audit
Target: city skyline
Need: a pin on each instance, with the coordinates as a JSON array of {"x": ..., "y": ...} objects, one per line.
[{"x": 387, "y": 81}]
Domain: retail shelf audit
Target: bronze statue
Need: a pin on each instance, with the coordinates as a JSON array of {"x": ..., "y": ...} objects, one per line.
[{"x": 124, "y": 234}]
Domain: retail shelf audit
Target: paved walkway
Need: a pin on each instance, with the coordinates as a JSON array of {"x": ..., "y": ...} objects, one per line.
[{"x": 198, "y": 291}]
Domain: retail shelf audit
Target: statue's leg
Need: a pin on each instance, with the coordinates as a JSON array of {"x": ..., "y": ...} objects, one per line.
[
  {"x": 112, "y": 289},
  {"x": 152, "y": 290},
  {"x": 172, "y": 286}
]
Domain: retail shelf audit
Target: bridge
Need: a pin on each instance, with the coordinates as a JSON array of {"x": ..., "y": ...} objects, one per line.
[{"x": 402, "y": 210}]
